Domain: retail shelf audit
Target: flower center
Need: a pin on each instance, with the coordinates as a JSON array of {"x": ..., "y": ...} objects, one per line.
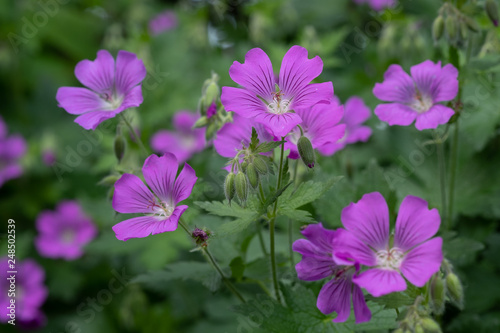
[
  {"x": 421, "y": 102},
  {"x": 111, "y": 101},
  {"x": 68, "y": 236},
  {"x": 161, "y": 209},
  {"x": 390, "y": 259},
  {"x": 279, "y": 105}
]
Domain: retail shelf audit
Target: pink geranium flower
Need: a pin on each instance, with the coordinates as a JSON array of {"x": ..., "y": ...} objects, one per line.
[
  {"x": 272, "y": 102},
  {"x": 366, "y": 241},
  {"x": 417, "y": 96},
  {"x": 317, "y": 263},
  {"x": 185, "y": 141},
  {"x": 159, "y": 202},
  {"x": 112, "y": 88},
  {"x": 377, "y": 4},
  {"x": 12, "y": 149},
  {"x": 162, "y": 22},
  {"x": 64, "y": 232}
]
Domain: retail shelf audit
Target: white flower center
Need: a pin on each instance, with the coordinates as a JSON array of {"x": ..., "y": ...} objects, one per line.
[
  {"x": 391, "y": 259},
  {"x": 161, "y": 209},
  {"x": 421, "y": 102},
  {"x": 112, "y": 101},
  {"x": 279, "y": 105},
  {"x": 68, "y": 236}
]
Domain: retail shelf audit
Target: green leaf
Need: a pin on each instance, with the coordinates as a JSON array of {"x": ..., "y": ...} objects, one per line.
[
  {"x": 461, "y": 250},
  {"x": 221, "y": 209},
  {"x": 254, "y": 141},
  {"x": 393, "y": 300},
  {"x": 267, "y": 146},
  {"x": 237, "y": 268}
]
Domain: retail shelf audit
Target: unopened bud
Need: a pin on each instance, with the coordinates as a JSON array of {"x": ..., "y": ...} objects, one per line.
[
  {"x": 492, "y": 11},
  {"x": 260, "y": 165},
  {"x": 472, "y": 24},
  {"x": 109, "y": 180},
  {"x": 229, "y": 187},
  {"x": 120, "y": 146},
  {"x": 418, "y": 328},
  {"x": 253, "y": 176},
  {"x": 464, "y": 30},
  {"x": 306, "y": 152},
  {"x": 438, "y": 28},
  {"x": 244, "y": 166},
  {"x": 451, "y": 27},
  {"x": 437, "y": 293},
  {"x": 430, "y": 325},
  {"x": 241, "y": 186},
  {"x": 211, "y": 94},
  {"x": 200, "y": 236},
  {"x": 201, "y": 122},
  {"x": 455, "y": 289}
]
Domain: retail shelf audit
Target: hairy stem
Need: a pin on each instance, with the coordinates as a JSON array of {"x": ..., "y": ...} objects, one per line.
[
  {"x": 453, "y": 172},
  {"x": 442, "y": 173},
  {"x": 261, "y": 239}
]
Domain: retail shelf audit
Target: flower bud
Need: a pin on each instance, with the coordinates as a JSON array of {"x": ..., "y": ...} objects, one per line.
[
  {"x": 418, "y": 328},
  {"x": 211, "y": 94},
  {"x": 253, "y": 176},
  {"x": 244, "y": 166},
  {"x": 109, "y": 180},
  {"x": 430, "y": 326},
  {"x": 472, "y": 24},
  {"x": 201, "y": 122},
  {"x": 120, "y": 146},
  {"x": 306, "y": 152},
  {"x": 455, "y": 289},
  {"x": 451, "y": 28},
  {"x": 464, "y": 30},
  {"x": 241, "y": 186},
  {"x": 438, "y": 28},
  {"x": 229, "y": 187},
  {"x": 260, "y": 165},
  {"x": 492, "y": 11},
  {"x": 437, "y": 293},
  {"x": 212, "y": 128},
  {"x": 200, "y": 236}
]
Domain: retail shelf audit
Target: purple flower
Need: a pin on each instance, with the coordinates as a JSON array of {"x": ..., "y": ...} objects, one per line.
[
  {"x": 272, "y": 102},
  {"x": 185, "y": 141},
  {"x": 366, "y": 241},
  {"x": 317, "y": 263},
  {"x": 12, "y": 148},
  {"x": 377, "y": 4},
  {"x": 355, "y": 114},
  {"x": 158, "y": 202},
  {"x": 64, "y": 232},
  {"x": 320, "y": 124},
  {"x": 417, "y": 96},
  {"x": 212, "y": 110},
  {"x": 112, "y": 88},
  {"x": 30, "y": 293},
  {"x": 162, "y": 22}
]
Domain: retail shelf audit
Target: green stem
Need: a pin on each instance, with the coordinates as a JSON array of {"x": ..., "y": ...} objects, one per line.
[
  {"x": 442, "y": 173},
  {"x": 134, "y": 134},
  {"x": 261, "y": 239},
  {"x": 290, "y": 242},
  {"x": 261, "y": 191},
  {"x": 211, "y": 259},
  {"x": 453, "y": 172},
  {"x": 272, "y": 227},
  {"x": 295, "y": 169}
]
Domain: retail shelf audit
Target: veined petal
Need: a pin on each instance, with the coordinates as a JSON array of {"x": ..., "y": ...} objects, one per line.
[
  {"x": 159, "y": 173},
  {"x": 311, "y": 94},
  {"x": 397, "y": 86},
  {"x": 243, "y": 102},
  {"x": 361, "y": 310},
  {"x": 184, "y": 184},
  {"x": 255, "y": 74},
  {"x": 130, "y": 71},
  {"x": 79, "y": 100},
  {"x": 356, "y": 112},
  {"x": 349, "y": 249},
  {"x": 132, "y": 196},
  {"x": 336, "y": 296},
  {"x": 133, "y": 98},
  {"x": 314, "y": 268},
  {"x": 232, "y": 136},
  {"x": 279, "y": 124},
  {"x": 368, "y": 220},
  {"x": 320, "y": 237},
  {"x": 91, "y": 120},
  {"x": 379, "y": 282},
  {"x": 396, "y": 114},
  {"x": 98, "y": 75},
  {"x": 420, "y": 263},
  {"x": 415, "y": 223},
  {"x": 171, "y": 223},
  {"x": 137, "y": 227},
  {"x": 437, "y": 115},
  {"x": 446, "y": 84}
]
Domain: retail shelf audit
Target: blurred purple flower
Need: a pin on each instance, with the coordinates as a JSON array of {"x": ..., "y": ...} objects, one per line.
[
  {"x": 355, "y": 114},
  {"x": 162, "y": 22},
  {"x": 159, "y": 204},
  {"x": 113, "y": 88},
  {"x": 12, "y": 148},
  {"x": 185, "y": 141},
  {"x": 366, "y": 241},
  {"x": 417, "y": 96},
  {"x": 317, "y": 263},
  {"x": 212, "y": 110},
  {"x": 377, "y": 4},
  {"x": 64, "y": 232},
  {"x": 272, "y": 102},
  {"x": 30, "y": 292},
  {"x": 320, "y": 124},
  {"x": 48, "y": 157}
]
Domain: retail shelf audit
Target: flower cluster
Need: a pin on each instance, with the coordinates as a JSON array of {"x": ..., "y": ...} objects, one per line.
[{"x": 12, "y": 148}]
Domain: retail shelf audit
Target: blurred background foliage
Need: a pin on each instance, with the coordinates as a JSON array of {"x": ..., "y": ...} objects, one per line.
[{"x": 168, "y": 288}]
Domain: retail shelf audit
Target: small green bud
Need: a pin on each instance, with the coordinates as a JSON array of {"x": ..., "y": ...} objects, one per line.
[
  {"x": 492, "y": 11},
  {"x": 229, "y": 187},
  {"x": 212, "y": 128},
  {"x": 306, "y": 152},
  {"x": 438, "y": 291},
  {"x": 244, "y": 166},
  {"x": 418, "y": 328},
  {"x": 260, "y": 165},
  {"x": 455, "y": 289},
  {"x": 211, "y": 94},
  {"x": 464, "y": 30},
  {"x": 471, "y": 24},
  {"x": 241, "y": 186},
  {"x": 451, "y": 28},
  {"x": 438, "y": 28},
  {"x": 120, "y": 146},
  {"x": 201, "y": 122},
  {"x": 430, "y": 325},
  {"x": 253, "y": 176},
  {"x": 109, "y": 180}
]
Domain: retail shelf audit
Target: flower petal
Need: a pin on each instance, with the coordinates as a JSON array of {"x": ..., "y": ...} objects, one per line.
[
  {"x": 312, "y": 94},
  {"x": 361, "y": 133},
  {"x": 79, "y": 100},
  {"x": 314, "y": 268},
  {"x": 320, "y": 237},
  {"x": 159, "y": 173},
  {"x": 423, "y": 261},
  {"x": 361, "y": 311},
  {"x": 432, "y": 80},
  {"x": 133, "y": 98},
  {"x": 98, "y": 75},
  {"x": 380, "y": 282},
  {"x": 255, "y": 74},
  {"x": 279, "y": 124},
  {"x": 396, "y": 114},
  {"x": 397, "y": 86},
  {"x": 131, "y": 195},
  {"x": 356, "y": 112},
  {"x": 184, "y": 183},
  {"x": 336, "y": 296},
  {"x": 242, "y": 102},
  {"x": 349, "y": 249},
  {"x": 368, "y": 220},
  {"x": 171, "y": 223},
  {"x": 137, "y": 227},
  {"x": 437, "y": 115},
  {"x": 91, "y": 120},
  {"x": 415, "y": 223},
  {"x": 130, "y": 72}
]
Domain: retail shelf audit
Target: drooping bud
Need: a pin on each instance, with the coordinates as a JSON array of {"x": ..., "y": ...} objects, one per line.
[
  {"x": 451, "y": 28},
  {"x": 492, "y": 11},
  {"x": 260, "y": 165},
  {"x": 438, "y": 28},
  {"x": 253, "y": 176},
  {"x": 200, "y": 236},
  {"x": 430, "y": 325},
  {"x": 438, "y": 292},
  {"x": 455, "y": 289},
  {"x": 229, "y": 187},
  {"x": 306, "y": 151},
  {"x": 241, "y": 186}
]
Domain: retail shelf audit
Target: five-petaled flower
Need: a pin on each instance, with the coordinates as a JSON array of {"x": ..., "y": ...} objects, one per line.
[
  {"x": 366, "y": 241},
  {"x": 159, "y": 202},
  {"x": 112, "y": 88},
  {"x": 317, "y": 263},
  {"x": 417, "y": 96},
  {"x": 272, "y": 102}
]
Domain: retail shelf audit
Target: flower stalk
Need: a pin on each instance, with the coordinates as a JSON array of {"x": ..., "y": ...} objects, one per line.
[{"x": 135, "y": 135}]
